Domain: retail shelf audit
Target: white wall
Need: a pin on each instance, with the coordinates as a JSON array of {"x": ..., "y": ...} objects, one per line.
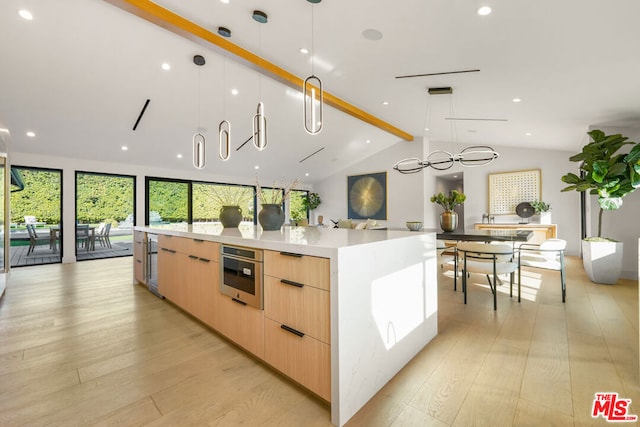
[{"x": 405, "y": 193}]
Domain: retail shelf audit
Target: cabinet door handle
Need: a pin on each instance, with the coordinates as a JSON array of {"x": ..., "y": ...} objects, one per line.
[
  {"x": 293, "y": 331},
  {"x": 198, "y": 240},
  {"x": 193, "y": 257},
  {"x": 291, "y": 254},
  {"x": 138, "y": 260},
  {"x": 292, "y": 283},
  {"x": 204, "y": 260},
  {"x": 168, "y": 250},
  {"x": 238, "y": 301}
]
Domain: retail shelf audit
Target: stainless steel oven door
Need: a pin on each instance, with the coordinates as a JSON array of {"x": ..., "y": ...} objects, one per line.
[{"x": 242, "y": 280}]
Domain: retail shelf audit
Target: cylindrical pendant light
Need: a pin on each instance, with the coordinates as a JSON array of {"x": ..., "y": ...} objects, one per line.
[
  {"x": 199, "y": 151},
  {"x": 260, "y": 128},
  {"x": 224, "y": 140},
  {"x": 312, "y": 89}
]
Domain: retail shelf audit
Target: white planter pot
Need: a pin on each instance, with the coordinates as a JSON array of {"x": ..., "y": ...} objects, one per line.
[
  {"x": 541, "y": 218},
  {"x": 602, "y": 261}
]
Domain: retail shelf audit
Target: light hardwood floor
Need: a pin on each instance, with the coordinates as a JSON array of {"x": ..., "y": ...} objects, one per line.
[{"x": 80, "y": 345}]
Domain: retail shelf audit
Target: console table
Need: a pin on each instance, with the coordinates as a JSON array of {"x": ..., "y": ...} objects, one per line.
[{"x": 541, "y": 232}]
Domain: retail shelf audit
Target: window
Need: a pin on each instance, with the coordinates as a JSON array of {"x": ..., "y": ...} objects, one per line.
[
  {"x": 168, "y": 201},
  {"x": 208, "y": 198},
  {"x": 105, "y": 204},
  {"x": 297, "y": 209},
  {"x": 38, "y": 204}
]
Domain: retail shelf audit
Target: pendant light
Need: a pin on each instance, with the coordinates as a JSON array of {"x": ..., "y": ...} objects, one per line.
[
  {"x": 199, "y": 142},
  {"x": 312, "y": 112},
  {"x": 224, "y": 128},
  {"x": 259, "y": 120}
]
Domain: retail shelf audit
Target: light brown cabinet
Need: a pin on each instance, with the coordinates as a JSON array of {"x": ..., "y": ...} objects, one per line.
[
  {"x": 297, "y": 325},
  {"x": 241, "y": 323},
  {"x": 139, "y": 257},
  {"x": 189, "y": 274}
]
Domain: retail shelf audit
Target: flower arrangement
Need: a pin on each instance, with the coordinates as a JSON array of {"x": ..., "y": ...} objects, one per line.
[
  {"x": 277, "y": 194},
  {"x": 449, "y": 202}
]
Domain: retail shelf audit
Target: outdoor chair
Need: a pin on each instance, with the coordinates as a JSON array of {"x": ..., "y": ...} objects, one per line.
[
  {"x": 548, "y": 255},
  {"x": 34, "y": 239},
  {"x": 102, "y": 234},
  {"x": 83, "y": 237},
  {"x": 490, "y": 259}
]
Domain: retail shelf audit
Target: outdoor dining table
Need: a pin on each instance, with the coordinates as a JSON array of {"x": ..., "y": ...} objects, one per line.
[{"x": 54, "y": 232}]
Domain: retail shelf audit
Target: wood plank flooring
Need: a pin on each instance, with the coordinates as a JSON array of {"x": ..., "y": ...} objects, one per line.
[{"x": 80, "y": 345}]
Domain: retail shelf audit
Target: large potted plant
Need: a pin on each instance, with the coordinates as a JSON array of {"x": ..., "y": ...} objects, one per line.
[
  {"x": 610, "y": 176},
  {"x": 449, "y": 218}
]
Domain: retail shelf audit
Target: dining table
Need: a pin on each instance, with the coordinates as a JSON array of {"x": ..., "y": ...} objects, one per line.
[
  {"x": 486, "y": 235},
  {"x": 54, "y": 233}
]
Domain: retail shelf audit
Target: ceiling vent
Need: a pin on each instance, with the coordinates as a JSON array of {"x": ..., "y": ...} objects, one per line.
[{"x": 440, "y": 90}]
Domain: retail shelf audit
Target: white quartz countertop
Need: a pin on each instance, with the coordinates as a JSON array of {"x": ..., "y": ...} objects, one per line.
[{"x": 305, "y": 240}]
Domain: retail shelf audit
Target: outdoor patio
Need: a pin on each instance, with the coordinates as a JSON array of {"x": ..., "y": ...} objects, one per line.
[{"x": 121, "y": 245}]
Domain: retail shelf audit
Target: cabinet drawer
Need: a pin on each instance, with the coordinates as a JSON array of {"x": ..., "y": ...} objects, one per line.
[
  {"x": 173, "y": 243},
  {"x": 304, "y": 359},
  {"x": 203, "y": 249},
  {"x": 303, "y": 308},
  {"x": 309, "y": 270},
  {"x": 243, "y": 324},
  {"x": 139, "y": 236}
]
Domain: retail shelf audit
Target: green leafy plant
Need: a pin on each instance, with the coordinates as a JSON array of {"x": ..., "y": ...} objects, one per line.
[
  {"x": 540, "y": 206},
  {"x": 311, "y": 201},
  {"x": 449, "y": 202},
  {"x": 605, "y": 172}
]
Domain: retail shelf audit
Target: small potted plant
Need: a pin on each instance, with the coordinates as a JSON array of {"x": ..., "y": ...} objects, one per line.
[
  {"x": 449, "y": 218},
  {"x": 542, "y": 210},
  {"x": 610, "y": 176}
]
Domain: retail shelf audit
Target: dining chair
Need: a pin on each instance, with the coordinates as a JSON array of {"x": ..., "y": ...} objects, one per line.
[
  {"x": 34, "y": 239},
  {"x": 490, "y": 259},
  {"x": 448, "y": 249},
  {"x": 102, "y": 234},
  {"x": 83, "y": 237},
  {"x": 548, "y": 255}
]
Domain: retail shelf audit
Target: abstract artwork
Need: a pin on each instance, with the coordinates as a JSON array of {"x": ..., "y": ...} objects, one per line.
[
  {"x": 507, "y": 190},
  {"x": 367, "y": 196}
]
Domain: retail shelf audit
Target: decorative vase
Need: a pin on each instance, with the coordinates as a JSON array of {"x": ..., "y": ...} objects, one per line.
[
  {"x": 271, "y": 217},
  {"x": 230, "y": 216},
  {"x": 448, "y": 221}
]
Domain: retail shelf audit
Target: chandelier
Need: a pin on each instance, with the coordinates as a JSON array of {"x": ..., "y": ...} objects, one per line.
[
  {"x": 473, "y": 156},
  {"x": 477, "y": 155}
]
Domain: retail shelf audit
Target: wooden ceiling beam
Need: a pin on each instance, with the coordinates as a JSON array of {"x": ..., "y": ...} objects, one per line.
[{"x": 170, "y": 21}]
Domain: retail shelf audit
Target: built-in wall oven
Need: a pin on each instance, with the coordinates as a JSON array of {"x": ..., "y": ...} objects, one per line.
[{"x": 242, "y": 274}]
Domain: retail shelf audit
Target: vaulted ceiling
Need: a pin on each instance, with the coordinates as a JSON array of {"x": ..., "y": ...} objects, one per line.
[{"x": 79, "y": 73}]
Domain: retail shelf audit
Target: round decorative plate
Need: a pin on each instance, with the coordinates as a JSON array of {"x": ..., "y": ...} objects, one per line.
[{"x": 525, "y": 210}]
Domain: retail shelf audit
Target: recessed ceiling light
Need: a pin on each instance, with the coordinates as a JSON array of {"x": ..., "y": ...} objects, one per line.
[
  {"x": 484, "y": 10},
  {"x": 25, "y": 14},
  {"x": 224, "y": 1},
  {"x": 124, "y": 148},
  {"x": 368, "y": 141},
  {"x": 385, "y": 102},
  {"x": 306, "y": 174},
  {"x": 234, "y": 91},
  {"x": 516, "y": 99},
  {"x": 528, "y": 134},
  {"x": 179, "y": 156},
  {"x": 31, "y": 134},
  {"x": 166, "y": 66},
  {"x": 256, "y": 167},
  {"x": 303, "y": 50},
  {"x": 372, "y": 34},
  {"x": 427, "y": 129}
]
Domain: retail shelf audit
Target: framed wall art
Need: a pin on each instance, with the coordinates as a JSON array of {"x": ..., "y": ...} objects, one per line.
[
  {"x": 508, "y": 189},
  {"x": 367, "y": 196}
]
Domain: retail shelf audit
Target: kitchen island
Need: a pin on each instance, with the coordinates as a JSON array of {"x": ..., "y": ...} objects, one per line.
[{"x": 369, "y": 303}]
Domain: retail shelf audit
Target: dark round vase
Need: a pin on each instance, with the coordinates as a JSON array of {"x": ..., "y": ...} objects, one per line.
[
  {"x": 271, "y": 217},
  {"x": 230, "y": 216}
]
